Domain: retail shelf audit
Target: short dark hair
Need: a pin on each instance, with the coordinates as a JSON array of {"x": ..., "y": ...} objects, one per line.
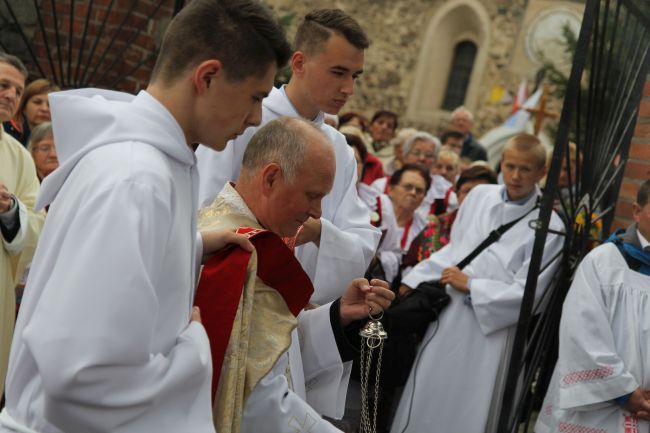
[
  {"x": 318, "y": 25},
  {"x": 356, "y": 142},
  {"x": 242, "y": 34},
  {"x": 478, "y": 172},
  {"x": 15, "y": 62},
  {"x": 397, "y": 176},
  {"x": 384, "y": 113},
  {"x": 644, "y": 193},
  {"x": 350, "y": 115},
  {"x": 451, "y": 134}
]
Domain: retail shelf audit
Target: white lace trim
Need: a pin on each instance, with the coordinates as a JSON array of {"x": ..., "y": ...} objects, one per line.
[{"x": 234, "y": 200}]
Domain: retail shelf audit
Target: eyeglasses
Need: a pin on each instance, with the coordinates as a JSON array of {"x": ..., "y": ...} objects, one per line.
[
  {"x": 419, "y": 153},
  {"x": 45, "y": 148},
  {"x": 410, "y": 187}
]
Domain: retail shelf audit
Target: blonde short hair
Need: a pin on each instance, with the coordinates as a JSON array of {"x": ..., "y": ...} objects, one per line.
[
  {"x": 447, "y": 153},
  {"x": 528, "y": 143}
]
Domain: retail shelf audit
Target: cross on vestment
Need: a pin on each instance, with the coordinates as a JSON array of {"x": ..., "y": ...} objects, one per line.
[
  {"x": 540, "y": 113},
  {"x": 305, "y": 426}
]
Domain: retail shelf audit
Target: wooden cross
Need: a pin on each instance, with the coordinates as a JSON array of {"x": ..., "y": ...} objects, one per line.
[{"x": 540, "y": 113}]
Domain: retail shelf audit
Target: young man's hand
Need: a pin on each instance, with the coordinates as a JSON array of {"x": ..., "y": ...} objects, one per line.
[
  {"x": 196, "y": 315},
  {"x": 216, "y": 240},
  {"x": 309, "y": 232},
  {"x": 639, "y": 404},
  {"x": 455, "y": 278}
]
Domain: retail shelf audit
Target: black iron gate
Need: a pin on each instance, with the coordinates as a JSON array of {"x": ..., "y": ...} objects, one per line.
[
  {"x": 599, "y": 115},
  {"x": 98, "y": 59}
]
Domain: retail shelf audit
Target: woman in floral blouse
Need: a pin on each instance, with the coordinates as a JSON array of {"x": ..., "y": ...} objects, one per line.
[{"x": 436, "y": 234}]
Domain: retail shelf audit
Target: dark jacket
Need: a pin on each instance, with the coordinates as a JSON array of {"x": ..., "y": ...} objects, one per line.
[{"x": 473, "y": 149}]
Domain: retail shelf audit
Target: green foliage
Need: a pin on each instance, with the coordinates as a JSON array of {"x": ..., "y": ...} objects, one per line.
[{"x": 557, "y": 75}]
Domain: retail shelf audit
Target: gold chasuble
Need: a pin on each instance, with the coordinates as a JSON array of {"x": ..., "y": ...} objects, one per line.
[
  {"x": 18, "y": 174},
  {"x": 249, "y": 303}
]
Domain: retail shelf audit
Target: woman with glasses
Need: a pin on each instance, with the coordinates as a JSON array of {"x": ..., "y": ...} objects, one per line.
[
  {"x": 398, "y": 216},
  {"x": 41, "y": 146},
  {"x": 437, "y": 232},
  {"x": 422, "y": 149}
]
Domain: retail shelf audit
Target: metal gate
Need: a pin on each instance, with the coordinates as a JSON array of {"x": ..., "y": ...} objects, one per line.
[
  {"x": 599, "y": 115},
  {"x": 83, "y": 43}
]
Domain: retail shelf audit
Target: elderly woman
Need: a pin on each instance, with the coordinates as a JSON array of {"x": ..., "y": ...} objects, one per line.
[
  {"x": 33, "y": 110},
  {"x": 436, "y": 233},
  {"x": 41, "y": 146},
  {"x": 422, "y": 148},
  {"x": 398, "y": 219}
]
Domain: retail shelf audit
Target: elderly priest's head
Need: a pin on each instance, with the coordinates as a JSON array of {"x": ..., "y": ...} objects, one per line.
[{"x": 288, "y": 168}]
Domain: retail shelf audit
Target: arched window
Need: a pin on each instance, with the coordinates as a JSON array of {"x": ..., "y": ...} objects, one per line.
[{"x": 461, "y": 71}]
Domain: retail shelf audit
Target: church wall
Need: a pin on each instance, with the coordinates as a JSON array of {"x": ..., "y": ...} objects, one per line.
[{"x": 398, "y": 30}]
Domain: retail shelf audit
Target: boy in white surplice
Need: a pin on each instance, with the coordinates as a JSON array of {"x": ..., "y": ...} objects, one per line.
[
  {"x": 458, "y": 373},
  {"x": 601, "y": 380}
]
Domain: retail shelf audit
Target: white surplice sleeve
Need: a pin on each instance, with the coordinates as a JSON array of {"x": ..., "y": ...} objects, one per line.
[
  {"x": 390, "y": 253},
  {"x": 217, "y": 168},
  {"x": 348, "y": 241},
  {"x": 326, "y": 376},
  {"x": 497, "y": 303},
  {"x": 92, "y": 333},
  {"x": 273, "y": 407},
  {"x": 590, "y": 369}
]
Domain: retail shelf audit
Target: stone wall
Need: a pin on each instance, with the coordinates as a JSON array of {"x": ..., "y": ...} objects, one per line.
[{"x": 397, "y": 30}]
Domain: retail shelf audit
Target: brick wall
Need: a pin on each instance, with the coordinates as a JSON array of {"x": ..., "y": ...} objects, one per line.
[
  {"x": 638, "y": 166},
  {"x": 122, "y": 58}
]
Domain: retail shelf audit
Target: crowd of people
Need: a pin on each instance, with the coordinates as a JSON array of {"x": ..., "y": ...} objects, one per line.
[{"x": 204, "y": 254}]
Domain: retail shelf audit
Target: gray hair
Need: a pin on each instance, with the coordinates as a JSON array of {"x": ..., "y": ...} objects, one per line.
[
  {"x": 422, "y": 136},
  {"x": 281, "y": 141},
  {"x": 463, "y": 110},
  {"x": 15, "y": 62},
  {"x": 38, "y": 134}
]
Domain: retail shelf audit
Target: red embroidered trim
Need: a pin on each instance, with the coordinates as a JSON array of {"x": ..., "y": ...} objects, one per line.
[
  {"x": 587, "y": 375},
  {"x": 631, "y": 424},
  {"x": 566, "y": 427},
  {"x": 548, "y": 410}
]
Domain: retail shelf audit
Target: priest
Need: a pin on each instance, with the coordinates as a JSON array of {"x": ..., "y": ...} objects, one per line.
[
  {"x": 463, "y": 354},
  {"x": 268, "y": 378},
  {"x": 602, "y": 377},
  {"x": 339, "y": 245}
]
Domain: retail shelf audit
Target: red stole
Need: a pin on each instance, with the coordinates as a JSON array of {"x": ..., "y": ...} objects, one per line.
[{"x": 222, "y": 282}]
